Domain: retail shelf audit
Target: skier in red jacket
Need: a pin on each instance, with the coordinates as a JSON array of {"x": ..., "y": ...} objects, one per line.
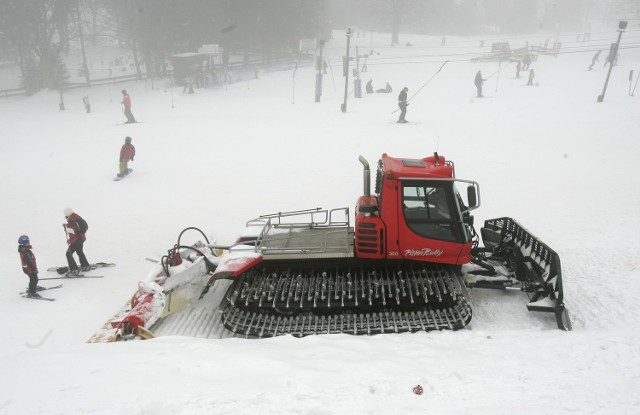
[
  {"x": 75, "y": 240},
  {"x": 126, "y": 101},
  {"x": 127, "y": 152},
  {"x": 29, "y": 265}
]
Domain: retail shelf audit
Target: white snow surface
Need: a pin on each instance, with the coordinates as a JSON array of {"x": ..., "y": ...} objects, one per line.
[{"x": 563, "y": 165}]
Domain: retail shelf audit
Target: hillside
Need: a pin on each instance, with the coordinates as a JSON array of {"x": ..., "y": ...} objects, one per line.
[{"x": 548, "y": 155}]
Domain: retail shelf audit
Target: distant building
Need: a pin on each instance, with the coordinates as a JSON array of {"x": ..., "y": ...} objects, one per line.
[{"x": 187, "y": 65}]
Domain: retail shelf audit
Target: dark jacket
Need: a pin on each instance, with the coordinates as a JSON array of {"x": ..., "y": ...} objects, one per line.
[
  {"x": 402, "y": 98},
  {"x": 28, "y": 260},
  {"x": 478, "y": 80},
  {"x": 369, "y": 87},
  {"x": 73, "y": 230}
]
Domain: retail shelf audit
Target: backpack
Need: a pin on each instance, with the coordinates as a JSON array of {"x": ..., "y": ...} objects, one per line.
[{"x": 82, "y": 225}]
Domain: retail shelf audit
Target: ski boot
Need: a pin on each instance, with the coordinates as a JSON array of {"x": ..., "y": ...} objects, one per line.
[
  {"x": 72, "y": 273},
  {"x": 33, "y": 295}
]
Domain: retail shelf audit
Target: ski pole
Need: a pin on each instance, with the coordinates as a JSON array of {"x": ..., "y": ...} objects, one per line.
[{"x": 423, "y": 85}]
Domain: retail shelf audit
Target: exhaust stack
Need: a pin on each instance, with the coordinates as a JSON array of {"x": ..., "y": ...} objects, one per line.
[{"x": 367, "y": 176}]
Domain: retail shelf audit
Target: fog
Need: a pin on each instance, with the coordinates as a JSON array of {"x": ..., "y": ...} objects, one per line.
[{"x": 45, "y": 43}]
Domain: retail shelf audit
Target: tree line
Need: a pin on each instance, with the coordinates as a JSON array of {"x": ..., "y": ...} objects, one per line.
[{"x": 38, "y": 33}]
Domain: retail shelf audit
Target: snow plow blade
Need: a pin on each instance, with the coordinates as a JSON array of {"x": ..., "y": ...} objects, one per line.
[{"x": 529, "y": 261}]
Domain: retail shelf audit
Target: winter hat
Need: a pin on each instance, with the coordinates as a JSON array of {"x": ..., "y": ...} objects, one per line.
[
  {"x": 23, "y": 240},
  {"x": 68, "y": 212},
  {"x": 127, "y": 140},
  {"x": 124, "y": 91}
]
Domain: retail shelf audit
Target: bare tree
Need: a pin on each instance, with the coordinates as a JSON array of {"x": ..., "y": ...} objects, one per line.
[
  {"x": 397, "y": 7},
  {"x": 38, "y": 32},
  {"x": 85, "y": 67}
]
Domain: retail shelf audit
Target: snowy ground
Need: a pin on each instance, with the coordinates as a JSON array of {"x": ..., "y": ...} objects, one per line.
[{"x": 548, "y": 155}]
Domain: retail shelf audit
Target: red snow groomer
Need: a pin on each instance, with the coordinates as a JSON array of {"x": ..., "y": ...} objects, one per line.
[{"x": 399, "y": 269}]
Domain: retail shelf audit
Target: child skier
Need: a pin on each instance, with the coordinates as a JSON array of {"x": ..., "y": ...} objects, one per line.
[
  {"x": 29, "y": 265},
  {"x": 127, "y": 153}
]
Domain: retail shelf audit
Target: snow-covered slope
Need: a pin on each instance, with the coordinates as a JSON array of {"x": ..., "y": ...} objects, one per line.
[{"x": 548, "y": 155}]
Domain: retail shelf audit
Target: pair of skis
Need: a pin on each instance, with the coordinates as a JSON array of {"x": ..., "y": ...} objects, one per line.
[
  {"x": 63, "y": 270},
  {"x": 71, "y": 277},
  {"x": 79, "y": 276},
  {"x": 26, "y": 294}
]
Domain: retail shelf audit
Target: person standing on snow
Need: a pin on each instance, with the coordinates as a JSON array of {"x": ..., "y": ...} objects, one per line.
[
  {"x": 127, "y": 153},
  {"x": 402, "y": 103},
  {"x": 188, "y": 85},
  {"x": 531, "y": 77},
  {"x": 29, "y": 265},
  {"x": 75, "y": 229},
  {"x": 87, "y": 104},
  {"x": 478, "y": 81},
  {"x": 518, "y": 69},
  {"x": 596, "y": 58},
  {"x": 369, "y": 86},
  {"x": 126, "y": 101}
]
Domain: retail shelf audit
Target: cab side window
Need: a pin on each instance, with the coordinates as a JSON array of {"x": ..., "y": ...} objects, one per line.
[{"x": 426, "y": 210}]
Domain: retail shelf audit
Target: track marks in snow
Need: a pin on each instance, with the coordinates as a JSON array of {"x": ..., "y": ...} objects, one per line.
[
  {"x": 601, "y": 287},
  {"x": 599, "y": 292}
]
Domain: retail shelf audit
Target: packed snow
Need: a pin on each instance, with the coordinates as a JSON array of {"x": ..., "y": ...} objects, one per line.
[{"x": 549, "y": 155}]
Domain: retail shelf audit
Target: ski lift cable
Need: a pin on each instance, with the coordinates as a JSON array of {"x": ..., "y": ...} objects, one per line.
[
  {"x": 429, "y": 80},
  {"x": 423, "y": 85},
  {"x": 397, "y": 60},
  {"x": 471, "y": 59},
  {"x": 377, "y": 61},
  {"x": 509, "y": 39},
  {"x": 500, "y": 69},
  {"x": 586, "y": 47},
  {"x": 630, "y": 35}
]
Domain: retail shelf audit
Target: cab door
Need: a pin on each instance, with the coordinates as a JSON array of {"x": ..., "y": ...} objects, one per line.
[{"x": 429, "y": 225}]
